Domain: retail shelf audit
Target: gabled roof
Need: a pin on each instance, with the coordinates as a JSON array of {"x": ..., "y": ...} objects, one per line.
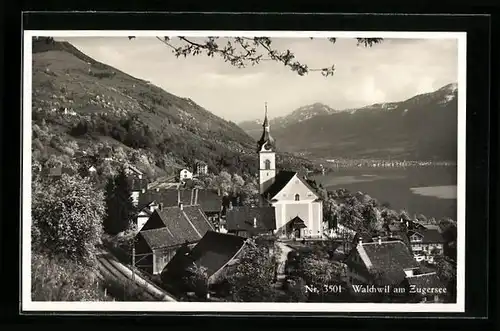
[
  {"x": 242, "y": 219},
  {"x": 281, "y": 180},
  {"x": 213, "y": 252},
  {"x": 429, "y": 236},
  {"x": 209, "y": 201},
  {"x": 389, "y": 259},
  {"x": 158, "y": 238},
  {"x": 187, "y": 225}
]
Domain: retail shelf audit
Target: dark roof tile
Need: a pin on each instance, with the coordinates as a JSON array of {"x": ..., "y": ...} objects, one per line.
[
  {"x": 213, "y": 251},
  {"x": 390, "y": 259},
  {"x": 189, "y": 224},
  {"x": 242, "y": 218}
]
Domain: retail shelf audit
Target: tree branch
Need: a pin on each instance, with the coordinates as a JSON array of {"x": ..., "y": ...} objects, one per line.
[{"x": 246, "y": 52}]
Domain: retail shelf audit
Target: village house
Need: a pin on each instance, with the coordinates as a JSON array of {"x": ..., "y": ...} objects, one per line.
[
  {"x": 215, "y": 252},
  {"x": 209, "y": 202},
  {"x": 138, "y": 186},
  {"x": 298, "y": 208},
  {"x": 166, "y": 230},
  {"x": 184, "y": 175},
  {"x": 426, "y": 243},
  {"x": 248, "y": 221},
  {"x": 130, "y": 170},
  {"x": 200, "y": 168},
  {"x": 389, "y": 263}
]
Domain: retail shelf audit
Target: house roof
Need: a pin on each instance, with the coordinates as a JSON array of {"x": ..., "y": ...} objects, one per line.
[
  {"x": 213, "y": 252},
  {"x": 389, "y": 258},
  {"x": 209, "y": 201},
  {"x": 158, "y": 238},
  {"x": 242, "y": 218},
  {"x": 187, "y": 225},
  {"x": 429, "y": 236},
  {"x": 297, "y": 222}
]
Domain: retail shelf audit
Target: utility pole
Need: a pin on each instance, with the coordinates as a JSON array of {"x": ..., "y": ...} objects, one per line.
[{"x": 133, "y": 259}]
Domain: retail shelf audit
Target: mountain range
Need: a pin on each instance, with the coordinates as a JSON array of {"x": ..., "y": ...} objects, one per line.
[
  {"x": 79, "y": 103},
  {"x": 423, "y": 127}
]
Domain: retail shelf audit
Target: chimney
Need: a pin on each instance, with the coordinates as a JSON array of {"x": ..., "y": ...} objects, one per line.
[
  {"x": 157, "y": 189},
  {"x": 143, "y": 190},
  {"x": 379, "y": 240},
  {"x": 218, "y": 191},
  {"x": 181, "y": 206},
  {"x": 254, "y": 222},
  {"x": 360, "y": 240},
  {"x": 230, "y": 205}
]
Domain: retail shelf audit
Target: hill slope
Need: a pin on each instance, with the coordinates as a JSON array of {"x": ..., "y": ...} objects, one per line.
[
  {"x": 80, "y": 104},
  {"x": 423, "y": 127}
]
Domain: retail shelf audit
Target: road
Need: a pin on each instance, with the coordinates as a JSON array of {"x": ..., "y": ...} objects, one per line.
[{"x": 110, "y": 269}]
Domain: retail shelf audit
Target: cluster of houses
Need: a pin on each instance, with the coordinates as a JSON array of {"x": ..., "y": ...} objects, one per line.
[{"x": 179, "y": 228}]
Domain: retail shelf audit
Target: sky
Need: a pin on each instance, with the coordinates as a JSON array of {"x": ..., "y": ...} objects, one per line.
[{"x": 394, "y": 70}]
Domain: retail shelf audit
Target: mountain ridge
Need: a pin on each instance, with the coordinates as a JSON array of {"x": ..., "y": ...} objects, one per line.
[{"x": 324, "y": 134}]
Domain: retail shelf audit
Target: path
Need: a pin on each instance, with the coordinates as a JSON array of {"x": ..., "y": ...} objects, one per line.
[{"x": 285, "y": 249}]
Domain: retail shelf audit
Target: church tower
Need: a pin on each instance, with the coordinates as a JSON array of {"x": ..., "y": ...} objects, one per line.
[{"x": 267, "y": 157}]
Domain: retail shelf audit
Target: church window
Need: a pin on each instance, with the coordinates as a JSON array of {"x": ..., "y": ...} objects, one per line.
[
  {"x": 297, "y": 197},
  {"x": 267, "y": 164}
]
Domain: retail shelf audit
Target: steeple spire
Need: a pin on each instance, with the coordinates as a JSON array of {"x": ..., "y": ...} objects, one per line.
[
  {"x": 266, "y": 138},
  {"x": 266, "y": 122}
]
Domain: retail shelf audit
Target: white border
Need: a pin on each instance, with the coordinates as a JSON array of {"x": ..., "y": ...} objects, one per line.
[{"x": 28, "y": 305}]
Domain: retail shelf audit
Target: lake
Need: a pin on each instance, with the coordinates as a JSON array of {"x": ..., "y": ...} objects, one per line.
[{"x": 431, "y": 191}]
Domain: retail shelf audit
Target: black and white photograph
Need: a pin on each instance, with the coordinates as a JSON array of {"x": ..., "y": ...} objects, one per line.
[{"x": 243, "y": 170}]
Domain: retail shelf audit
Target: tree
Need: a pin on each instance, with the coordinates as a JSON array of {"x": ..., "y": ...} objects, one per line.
[
  {"x": 242, "y": 52},
  {"x": 119, "y": 204},
  {"x": 318, "y": 271},
  {"x": 198, "y": 280},
  {"x": 67, "y": 218},
  {"x": 238, "y": 183},
  {"x": 55, "y": 278},
  {"x": 251, "y": 280},
  {"x": 446, "y": 270}
]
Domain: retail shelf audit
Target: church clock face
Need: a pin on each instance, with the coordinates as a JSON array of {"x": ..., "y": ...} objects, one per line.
[{"x": 267, "y": 146}]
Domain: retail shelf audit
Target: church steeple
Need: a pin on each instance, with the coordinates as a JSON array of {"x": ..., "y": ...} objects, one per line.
[
  {"x": 267, "y": 157},
  {"x": 265, "y": 141}
]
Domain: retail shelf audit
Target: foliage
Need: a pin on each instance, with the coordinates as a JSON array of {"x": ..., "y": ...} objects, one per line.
[
  {"x": 198, "y": 280},
  {"x": 55, "y": 278},
  {"x": 252, "y": 279},
  {"x": 67, "y": 217},
  {"x": 446, "y": 270},
  {"x": 319, "y": 271},
  {"x": 244, "y": 51}
]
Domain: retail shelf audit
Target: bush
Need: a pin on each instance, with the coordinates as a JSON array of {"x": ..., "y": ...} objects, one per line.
[{"x": 54, "y": 278}]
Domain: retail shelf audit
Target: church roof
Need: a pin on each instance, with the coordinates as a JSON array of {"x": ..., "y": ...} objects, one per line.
[
  {"x": 282, "y": 178},
  {"x": 280, "y": 181}
]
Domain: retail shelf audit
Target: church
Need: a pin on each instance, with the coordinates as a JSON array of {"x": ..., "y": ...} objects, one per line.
[{"x": 298, "y": 208}]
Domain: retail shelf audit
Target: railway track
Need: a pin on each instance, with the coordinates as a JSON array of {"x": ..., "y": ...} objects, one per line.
[{"x": 126, "y": 281}]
